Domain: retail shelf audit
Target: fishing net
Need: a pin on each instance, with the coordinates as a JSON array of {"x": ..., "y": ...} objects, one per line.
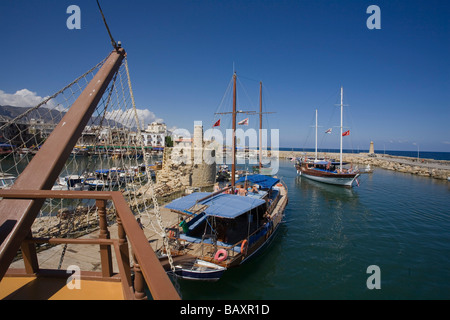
[{"x": 111, "y": 154}]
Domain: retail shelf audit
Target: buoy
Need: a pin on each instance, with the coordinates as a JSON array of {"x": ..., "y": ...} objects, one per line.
[
  {"x": 221, "y": 255},
  {"x": 244, "y": 247}
]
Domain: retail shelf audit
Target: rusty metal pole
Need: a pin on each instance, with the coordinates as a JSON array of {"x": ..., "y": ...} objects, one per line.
[{"x": 17, "y": 216}]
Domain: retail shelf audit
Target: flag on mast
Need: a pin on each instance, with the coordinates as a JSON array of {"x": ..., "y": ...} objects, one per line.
[
  {"x": 328, "y": 131},
  {"x": 243, "y": 122},
  {"x": 346, "y": 133},
  {"x": 217, "y": 124}
]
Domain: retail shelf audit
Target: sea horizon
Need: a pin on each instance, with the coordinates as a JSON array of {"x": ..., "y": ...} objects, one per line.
[{"x": 436, "y": 155}]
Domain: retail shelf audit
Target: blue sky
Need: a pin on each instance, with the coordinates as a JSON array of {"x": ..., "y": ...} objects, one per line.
[{"x": 181, "y": 53}]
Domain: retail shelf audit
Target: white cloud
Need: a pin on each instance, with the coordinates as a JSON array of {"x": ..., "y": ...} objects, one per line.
[
  {"x": 22, "y": 98},
  {"x": 128, "y": 118},
  {"x": 27, "y": 98}
]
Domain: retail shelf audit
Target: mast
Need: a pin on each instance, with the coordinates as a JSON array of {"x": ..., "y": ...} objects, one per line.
[
  {"x": 233, "y": 166},
  {"x": 260, "y": 126},
  {"x": 316, "y": 134},
  {"x": 342, "y": 117}
]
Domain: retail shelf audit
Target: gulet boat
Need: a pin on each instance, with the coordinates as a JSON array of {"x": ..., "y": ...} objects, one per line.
[{"x": 328, "y": 171}]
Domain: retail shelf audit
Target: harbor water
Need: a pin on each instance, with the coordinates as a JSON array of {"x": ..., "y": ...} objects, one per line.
[{"x": 331, "y": 235}]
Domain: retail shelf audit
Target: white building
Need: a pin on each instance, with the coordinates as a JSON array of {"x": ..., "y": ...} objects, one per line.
[
  {"x": 153, "y": 136},
  {"x": 157, "y": 128}
]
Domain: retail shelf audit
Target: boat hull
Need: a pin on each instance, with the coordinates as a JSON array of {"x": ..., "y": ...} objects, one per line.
[
  {"x": 201, "y": 270},
  {"x": 345, "y": 180}
]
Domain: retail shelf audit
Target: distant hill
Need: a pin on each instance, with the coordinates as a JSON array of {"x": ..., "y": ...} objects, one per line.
[{"x": 49, "y": 116}]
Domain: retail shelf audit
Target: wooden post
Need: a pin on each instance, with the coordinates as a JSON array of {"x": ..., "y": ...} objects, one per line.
[
  {"x": 139, "y": 281},
  {"x": 123, "y": 248},
  {"x": 105, "y": 250},
  {"x": 29, "y": 255}
]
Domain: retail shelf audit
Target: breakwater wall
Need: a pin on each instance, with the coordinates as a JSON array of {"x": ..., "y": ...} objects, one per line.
[{"x": 438, "y": 169}]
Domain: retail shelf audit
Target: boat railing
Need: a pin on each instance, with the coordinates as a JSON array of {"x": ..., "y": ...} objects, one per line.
[{"x": 147, "y": 269}]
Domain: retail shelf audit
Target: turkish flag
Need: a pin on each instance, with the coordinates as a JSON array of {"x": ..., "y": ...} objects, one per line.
[
  {"x": 217, "y": 124},
  {"x": 346, "y": 133}
]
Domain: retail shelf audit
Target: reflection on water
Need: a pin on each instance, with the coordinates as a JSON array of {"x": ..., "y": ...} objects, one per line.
[{"x": 315, "y": 190}]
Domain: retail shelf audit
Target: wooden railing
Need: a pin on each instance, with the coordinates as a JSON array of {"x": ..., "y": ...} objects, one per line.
[{"x": 147, "y": 268}]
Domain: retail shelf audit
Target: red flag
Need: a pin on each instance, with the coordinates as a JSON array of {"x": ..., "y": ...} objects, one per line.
[
  {"x": 217, "y": 124},
  {"x": 346, "y": 133}
]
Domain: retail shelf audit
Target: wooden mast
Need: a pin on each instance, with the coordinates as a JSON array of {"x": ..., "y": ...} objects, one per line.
[
  {"x": 260, "y": 126},
  {"x": 342, "y": 113},
  {"x": 233, "y": 166},
  {"x": 316, "y": 134}
]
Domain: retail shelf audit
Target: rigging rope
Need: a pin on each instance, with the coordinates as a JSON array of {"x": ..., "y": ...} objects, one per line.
[{"x": 114, "y": 44}]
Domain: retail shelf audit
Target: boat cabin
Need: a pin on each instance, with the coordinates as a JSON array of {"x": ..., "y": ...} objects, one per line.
[
  {"x": 227, "y": 220},
  {"x": 323, "y": 165}
]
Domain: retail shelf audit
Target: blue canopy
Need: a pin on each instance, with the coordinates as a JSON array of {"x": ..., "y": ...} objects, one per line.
[
  {"x": 222, "y": 205},
  {"x": 265, "y": 182},
  {"x": 102, "y": 171}
]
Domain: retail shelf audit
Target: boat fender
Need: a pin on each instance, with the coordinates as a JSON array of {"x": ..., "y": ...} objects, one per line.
[
  {"x": 244, "y": 247},
  {"x": 221, "y": 255}
]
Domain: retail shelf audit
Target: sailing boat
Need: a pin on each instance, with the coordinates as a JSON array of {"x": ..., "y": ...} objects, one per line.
[
  {"x": 224, "y": 229},
  {"x": 328, "y": 171}
]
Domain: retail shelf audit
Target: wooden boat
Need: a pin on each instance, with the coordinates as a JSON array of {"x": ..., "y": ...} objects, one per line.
[
  {"x": 196, "y": 269},
  {"x": 224, "y": 229},
  {"x": 328, "y": 171}
]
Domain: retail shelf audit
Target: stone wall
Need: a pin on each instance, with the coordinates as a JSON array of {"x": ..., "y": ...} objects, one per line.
[{"x": 178, "y": 174}]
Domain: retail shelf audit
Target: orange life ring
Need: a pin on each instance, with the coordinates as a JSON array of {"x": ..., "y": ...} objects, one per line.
[
  {"x": 244, "y": 246},
  {"x": 221, "y": 255},
  {"x": 279, "y": 184}
]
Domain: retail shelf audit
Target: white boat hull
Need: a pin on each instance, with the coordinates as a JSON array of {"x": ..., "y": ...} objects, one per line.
[{"x": 348, "y": 182}]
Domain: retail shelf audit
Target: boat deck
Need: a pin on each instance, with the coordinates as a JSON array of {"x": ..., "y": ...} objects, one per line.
[
  {"x": 17, "y": 284},
  {"x": 52, "y": 288}
]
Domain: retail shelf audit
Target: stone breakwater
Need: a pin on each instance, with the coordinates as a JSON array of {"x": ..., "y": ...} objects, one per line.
[{"x": 438, "y": 169}]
